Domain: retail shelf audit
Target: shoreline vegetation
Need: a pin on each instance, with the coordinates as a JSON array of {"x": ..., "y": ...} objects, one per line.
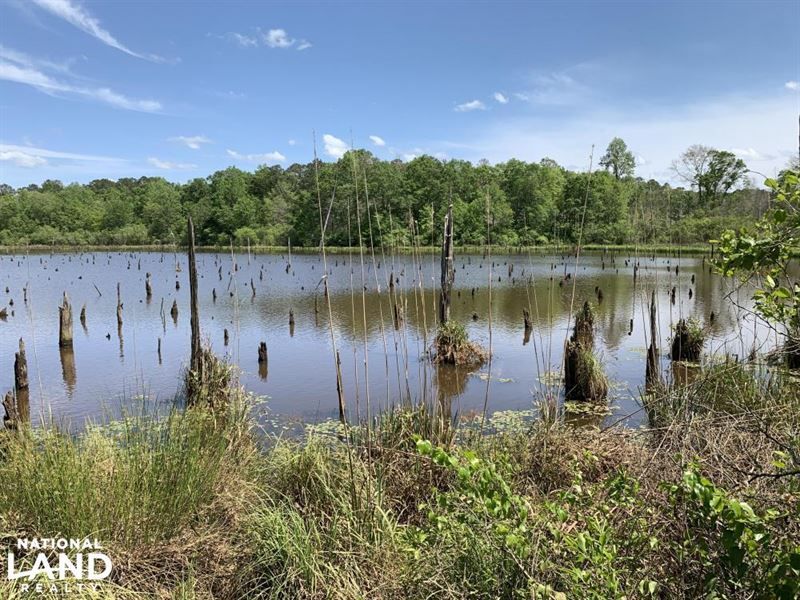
[
  {"x": 659, "y": 249},
  {"x": 199, "y": 504},
  {"x": 397, "y": 204}
]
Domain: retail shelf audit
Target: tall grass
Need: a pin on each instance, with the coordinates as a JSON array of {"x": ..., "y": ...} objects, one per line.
[{"x": 151, "y": 489}]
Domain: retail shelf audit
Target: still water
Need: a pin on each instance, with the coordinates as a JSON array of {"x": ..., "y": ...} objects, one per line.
[{"x": 383, "y": 362}]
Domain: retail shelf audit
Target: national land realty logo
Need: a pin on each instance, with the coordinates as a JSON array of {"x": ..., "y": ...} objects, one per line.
[{"x": 57, "y": 565}]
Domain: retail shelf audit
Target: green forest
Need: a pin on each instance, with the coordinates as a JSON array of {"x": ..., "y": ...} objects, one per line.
[{"x": 397, "y": 203}]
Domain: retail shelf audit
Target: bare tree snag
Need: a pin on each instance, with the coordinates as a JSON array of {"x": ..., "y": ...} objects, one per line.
[
  {"x": 20, "y": 368},
  {"x": 447, "y": 268},
  {"x": 653, "y": 369},
  {"x": 196, "y": 359},
  {"x": 65, "y": 323},
  {"x": 119, "y": 308}
]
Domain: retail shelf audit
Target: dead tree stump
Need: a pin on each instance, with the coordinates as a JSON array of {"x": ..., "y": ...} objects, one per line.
[
  {"x": 20, "y": 368},
  {"x": 119, "y": 308},
  {"x": 65, "y": 323},
  {"x": 196, "y": 362},
  {"x": 652, "y": 376}
]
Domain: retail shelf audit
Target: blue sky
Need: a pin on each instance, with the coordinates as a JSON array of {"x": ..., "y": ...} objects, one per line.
[{"x": 181, "y": 89}]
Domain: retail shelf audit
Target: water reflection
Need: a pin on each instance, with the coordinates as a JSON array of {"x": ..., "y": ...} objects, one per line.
[{"x": 67, "y": 356}]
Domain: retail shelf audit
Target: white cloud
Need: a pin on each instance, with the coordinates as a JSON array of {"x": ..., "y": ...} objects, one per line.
[
  {"x": 792, "y": 85},
  {"x": 292, "y": 142},
  {"x": 277, "y": 38},
  {"x": 27, "y": 75},
  {"x": 739, "y": 122},
  {"x": 76, "y": 15},
  {"x": 169, "y": 166},
  {"x": 752, "y": 154},
  {"x": 22, "y": 159},
  {"x": 521, "y": 96},
  {"x": 501, "y": 98},
  {"x": 274, "y": 38},
  {"x": 30, "y": 156},
  {"x": 194, "y": 142},
  {"x": 470, "y": 106},
  {"x": 334, "y": 147},
  {"x": 378, "y": 141},
  {"x": 267, "y": 157}
]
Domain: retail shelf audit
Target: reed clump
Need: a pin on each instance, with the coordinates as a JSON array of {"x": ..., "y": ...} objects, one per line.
[
  {"x": 687, "y": 340},
  {"x": 584, "y": 379},
  {"x": 210, "y": 384},
  {"x": 452, "y": 346}
]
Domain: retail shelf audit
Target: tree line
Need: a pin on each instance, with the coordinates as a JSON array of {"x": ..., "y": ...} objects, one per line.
[{"x": 364, "y": 199}]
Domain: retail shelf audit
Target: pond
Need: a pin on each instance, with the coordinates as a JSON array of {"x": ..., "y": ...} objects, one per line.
[{"x": 383, "y": 362}]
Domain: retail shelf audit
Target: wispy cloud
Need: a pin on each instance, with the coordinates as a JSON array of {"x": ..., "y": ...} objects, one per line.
[
  {"x": 792, "y": 85},
  {"x": 470, "y": 106},
  {"x": 377, "y": 140},
  {"x": 31, "y": 156},
  {"x": 20, "y": 58},
  {"x": 334, "y": 147},
  {"x": 194, "y": 142},
  {"x": 20, "y": 68},
  {"x": 169, "y": 166},
  {"x": 245, "y": 41},
  {"x": 267, "y": 157},
  {"x": 752, "y": 154},
  {"x": 556, "y": 89},
  {"x": 272, "y": 38},
  {"x": 79, "y": 17},
  {"x": 501, "y": 98}
]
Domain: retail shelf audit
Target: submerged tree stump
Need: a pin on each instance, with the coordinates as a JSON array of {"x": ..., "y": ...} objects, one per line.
[
  {"x": 11, "y": 418},
  {"x": 65, "y": 323},
  {"x": 584, "y": 379},
  {"x": 174, "y": 311},
  {"x": 687, "y": 342},
  {"x": 119, "y": 308},
  {"x": 148, "y": 287},
  {"x": 528, "y": 324},
  {"x": 20, "y": 368},
  {"x": 652, "y": 375}
]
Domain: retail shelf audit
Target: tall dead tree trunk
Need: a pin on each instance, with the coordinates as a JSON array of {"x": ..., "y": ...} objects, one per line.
[
  {"x": 119, "y": 308},
  {"x": 196, "y": 358},
  {"x": 653, "y": 368},
  {"x": 447, "y": 268}
]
